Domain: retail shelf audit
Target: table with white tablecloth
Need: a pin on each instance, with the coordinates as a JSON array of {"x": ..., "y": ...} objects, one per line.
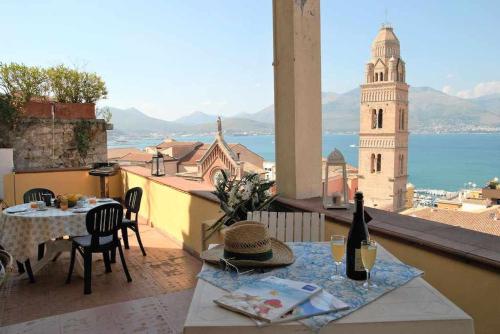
[{"x": 23, "y": 231}]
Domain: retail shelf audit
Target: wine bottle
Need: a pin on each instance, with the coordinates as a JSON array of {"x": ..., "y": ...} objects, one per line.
[{"x": 357, "y": 233}]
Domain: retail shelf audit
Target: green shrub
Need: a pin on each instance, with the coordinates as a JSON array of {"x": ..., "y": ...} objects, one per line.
[
  {"x": 22, "y": 82},
  {"x": 72, "y": 86},
  {"x": 8, "y": 113}
]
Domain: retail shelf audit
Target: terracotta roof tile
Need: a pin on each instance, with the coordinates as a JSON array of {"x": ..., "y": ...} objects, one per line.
[
  {"x": 477, "y": 221},
  {"x": 168, "y": 144},
  {"x": 115, "y": 153},
  {"x": 138, "y": 157},
  {"x": 195, "y": 155}
]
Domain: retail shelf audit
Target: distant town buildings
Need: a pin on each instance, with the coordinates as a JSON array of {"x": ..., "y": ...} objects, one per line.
[
  {"x": 195, "y": 160},
  {"x": 383, "y": 142},
  {"x": 472, "y": 209}
]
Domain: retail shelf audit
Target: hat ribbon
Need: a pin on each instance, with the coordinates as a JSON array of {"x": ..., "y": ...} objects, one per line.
[{"x": 267, "y": 255}]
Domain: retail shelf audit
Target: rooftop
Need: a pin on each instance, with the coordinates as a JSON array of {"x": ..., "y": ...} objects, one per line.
[{"x": 483, "y": 222}]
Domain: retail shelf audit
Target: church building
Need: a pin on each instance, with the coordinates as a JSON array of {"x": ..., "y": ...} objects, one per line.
[
  {"x": 202, "y": 162},
  {"x": 383, "y": 134}
]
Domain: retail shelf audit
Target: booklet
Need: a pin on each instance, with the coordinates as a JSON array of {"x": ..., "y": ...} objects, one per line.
[
  {"x": 269, "y": 298},
  {"x": 320, "y": 303}
]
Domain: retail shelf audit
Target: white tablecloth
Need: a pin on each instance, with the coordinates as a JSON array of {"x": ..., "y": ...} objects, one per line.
[{"x": 21, "y": 233}]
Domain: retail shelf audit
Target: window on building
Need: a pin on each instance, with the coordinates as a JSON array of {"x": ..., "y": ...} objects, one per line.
[
  {"x": 374, "y": 118},
  {"x": 379, "y": 162},
  {"x": 402, "y": 119},
  {"x": 380, "y": 118},
  {"x": 401, "y": 164},
  {"x": 376, "y": 76},
  {"x": 372, "y": 163},
  {"x": 381, "y": 76},
  {"x": 400, "y": 198}
]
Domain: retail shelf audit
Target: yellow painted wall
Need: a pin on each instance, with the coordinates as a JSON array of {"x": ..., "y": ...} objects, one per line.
[
  {"x": 180, "y": 214},
  {"x": 59, "y": 181},
  {"x": 173, "y": 211},
  {"x": 474, "y": 289}
]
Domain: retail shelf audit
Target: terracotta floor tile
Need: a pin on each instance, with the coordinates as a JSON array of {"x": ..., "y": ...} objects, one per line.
[{"x": 166, "y": 269}]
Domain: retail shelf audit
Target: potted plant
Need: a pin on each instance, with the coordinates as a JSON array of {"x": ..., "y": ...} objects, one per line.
[{"x": 238, "y": 197}]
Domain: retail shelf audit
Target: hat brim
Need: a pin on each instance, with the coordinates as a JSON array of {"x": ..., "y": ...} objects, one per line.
[{"x": 282, "y": 256}]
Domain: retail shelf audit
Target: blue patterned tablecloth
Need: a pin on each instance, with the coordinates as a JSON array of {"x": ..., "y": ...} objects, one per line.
[{"x": 314, "y": 264}]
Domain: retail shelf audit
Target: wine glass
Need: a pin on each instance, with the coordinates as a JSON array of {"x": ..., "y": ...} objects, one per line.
[
  {"x": 368, "y": 256},
  {"x": 33, "y": 205},
  {"x": 337, "y": 244},
  {"x": 92, "y": 200},
  {"x": 64, "y": 205}
]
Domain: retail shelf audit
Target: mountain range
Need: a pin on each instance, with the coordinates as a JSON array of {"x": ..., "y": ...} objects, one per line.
[{"x": 430, "y": 110}]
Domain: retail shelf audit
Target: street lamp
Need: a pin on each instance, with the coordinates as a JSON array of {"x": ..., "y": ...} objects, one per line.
[{"x": 158, "y": 164}]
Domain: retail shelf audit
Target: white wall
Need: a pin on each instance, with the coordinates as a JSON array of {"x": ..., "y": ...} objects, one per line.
[{"x": 6, "y": 165}]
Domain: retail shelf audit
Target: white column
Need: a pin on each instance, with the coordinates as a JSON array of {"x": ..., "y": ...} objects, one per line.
[{"x": 297, "y": 97}]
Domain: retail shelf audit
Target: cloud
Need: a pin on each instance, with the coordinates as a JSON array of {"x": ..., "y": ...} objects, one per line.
[
  {"x": 448, "y": 90},
  {"x": 481, "y": 89}
]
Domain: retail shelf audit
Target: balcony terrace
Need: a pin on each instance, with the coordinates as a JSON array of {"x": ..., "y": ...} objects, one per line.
[
  {"x": 173, "y": 216},
  {"x": 460, "y": 265},
  {"x": 157, "y": 301}
]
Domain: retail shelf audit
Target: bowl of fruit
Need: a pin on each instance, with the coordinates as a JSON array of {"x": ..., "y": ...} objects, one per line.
[{"x": 71, "y": 199}]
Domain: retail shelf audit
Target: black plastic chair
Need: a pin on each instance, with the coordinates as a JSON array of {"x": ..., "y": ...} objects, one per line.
[
  {"x": 103, "y": 223},
  {"x": 133, "y": 205},
  {"x": 35, "y": 194}
]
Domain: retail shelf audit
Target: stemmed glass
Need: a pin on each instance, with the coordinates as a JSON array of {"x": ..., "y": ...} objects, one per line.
[
  {"x": 368, "y": 256},
  {"x": 92, "y": 200},
  {"x": 337, "y": 244}
]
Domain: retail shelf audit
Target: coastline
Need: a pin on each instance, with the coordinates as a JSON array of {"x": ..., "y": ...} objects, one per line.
[{"x": 447, "y": 153}]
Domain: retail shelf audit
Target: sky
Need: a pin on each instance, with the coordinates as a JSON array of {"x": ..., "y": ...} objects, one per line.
[{"x": 172, "y": 57}]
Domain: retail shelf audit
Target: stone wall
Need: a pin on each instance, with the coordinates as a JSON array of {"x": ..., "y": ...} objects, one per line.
[{"x": 41, "y": 143}]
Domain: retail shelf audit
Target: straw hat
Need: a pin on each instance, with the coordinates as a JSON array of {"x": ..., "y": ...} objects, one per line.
[{"x": 248, "y": 244}]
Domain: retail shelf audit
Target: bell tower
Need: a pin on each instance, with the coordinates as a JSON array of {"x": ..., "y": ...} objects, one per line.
[{"x": 383, "y": 130}]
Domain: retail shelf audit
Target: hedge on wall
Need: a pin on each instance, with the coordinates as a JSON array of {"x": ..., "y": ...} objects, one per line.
[{"x": 20, "y": 83}]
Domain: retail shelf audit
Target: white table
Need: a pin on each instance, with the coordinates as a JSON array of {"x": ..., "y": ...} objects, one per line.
[
  {"x": 21, "y": 233},
  {"x": 413, "y": 308}
]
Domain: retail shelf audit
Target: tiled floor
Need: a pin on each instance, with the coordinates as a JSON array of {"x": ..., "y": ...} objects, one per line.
[
  {"x": 161, "y": 314},
  {"x": 165, "y": 269}
]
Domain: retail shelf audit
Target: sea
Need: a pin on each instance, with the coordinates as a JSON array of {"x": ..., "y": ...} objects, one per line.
[{"x": 447, "y": 162}]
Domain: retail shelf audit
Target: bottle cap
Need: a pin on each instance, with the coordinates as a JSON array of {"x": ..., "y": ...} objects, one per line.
[{"x": 358, "y": 195}]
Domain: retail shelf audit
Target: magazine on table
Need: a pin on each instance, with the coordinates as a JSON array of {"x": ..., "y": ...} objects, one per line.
[
  {"x": 320, "y": 303},
  {"x": 269, "y": 298}
]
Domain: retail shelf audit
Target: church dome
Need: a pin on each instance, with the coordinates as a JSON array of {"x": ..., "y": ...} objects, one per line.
[
  {"x": 386, "y": 34},
  {"x": 336, "y": 157}
]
